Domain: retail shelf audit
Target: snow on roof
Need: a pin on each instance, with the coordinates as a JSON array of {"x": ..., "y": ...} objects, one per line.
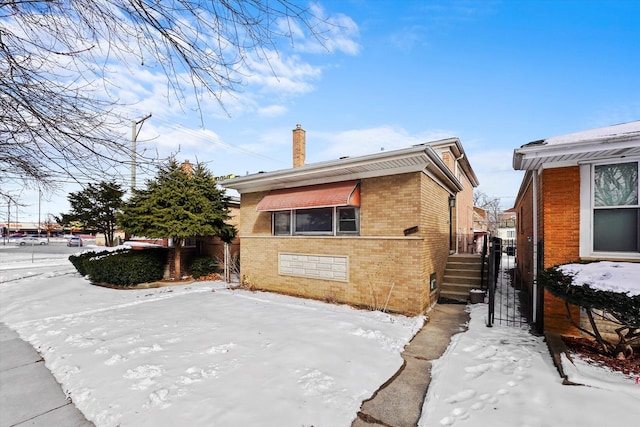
[
  {"x": 619, "y": 277},
  {"x": 622, "y": 130},
  {"x": 617, "y": 141}
]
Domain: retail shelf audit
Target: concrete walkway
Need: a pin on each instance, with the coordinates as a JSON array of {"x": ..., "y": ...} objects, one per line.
[
  {"x": 398, "y": 402},
  {"x": 29, "y": 394}
]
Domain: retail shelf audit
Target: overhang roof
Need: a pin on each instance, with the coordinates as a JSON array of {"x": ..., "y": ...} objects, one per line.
[
  {"x": 609, "y": 142},
  {"x": 393, "y": 162},
  {"x": 345, "y": 193},
  {"x": 455, "y": 146}
]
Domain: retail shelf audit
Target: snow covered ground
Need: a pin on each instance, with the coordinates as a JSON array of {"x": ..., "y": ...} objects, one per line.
[{"x": 203, "y": 355}]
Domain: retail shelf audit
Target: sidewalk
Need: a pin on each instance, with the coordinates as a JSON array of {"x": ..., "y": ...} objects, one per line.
[
  {"x": 398, "y": 402},
  {"x": 29, "y": 394}
]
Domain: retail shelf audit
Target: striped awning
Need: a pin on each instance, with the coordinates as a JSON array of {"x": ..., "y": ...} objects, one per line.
[{"x": 346, "y": 193}]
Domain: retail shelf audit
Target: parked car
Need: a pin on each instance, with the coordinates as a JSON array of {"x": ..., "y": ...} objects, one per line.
[
  {"x": 74, "y": 241},
  {"x": 31, "y": 240}
]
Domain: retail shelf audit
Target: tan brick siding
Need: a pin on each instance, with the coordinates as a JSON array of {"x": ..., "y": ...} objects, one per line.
[
  {"x": 434, "y": 223},
  {"x": 384, "y": 264},
  {"x": 375, "y": 271},
  {"x": 389, "y": 204}
]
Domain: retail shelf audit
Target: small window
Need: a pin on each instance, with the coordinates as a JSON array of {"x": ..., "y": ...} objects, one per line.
[
  {"x": 348, "y": 219},
  {"x": 282, "y": 223},
  {"x": 433, "y": 282}
]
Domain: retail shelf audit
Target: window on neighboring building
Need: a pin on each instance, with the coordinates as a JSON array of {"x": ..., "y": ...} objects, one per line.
[
  {"x": 616, "y": 209},
  {"x": 317, "y": 221}
]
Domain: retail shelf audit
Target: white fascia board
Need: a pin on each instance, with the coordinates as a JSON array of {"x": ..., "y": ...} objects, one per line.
[
  {"x": 526, "y": 156},
  {"x": 341, "y": 170}
]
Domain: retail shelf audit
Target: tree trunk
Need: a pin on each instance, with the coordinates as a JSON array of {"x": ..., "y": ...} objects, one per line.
[{"x": 177, "y": 245}]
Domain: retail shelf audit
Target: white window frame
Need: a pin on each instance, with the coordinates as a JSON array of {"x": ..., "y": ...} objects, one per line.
[{"x": 587, "y": 194}]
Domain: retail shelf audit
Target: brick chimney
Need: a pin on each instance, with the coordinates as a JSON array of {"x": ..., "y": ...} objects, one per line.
[
  {"x": 187, "y": 168},
  {"x": 299, "y": 142}
]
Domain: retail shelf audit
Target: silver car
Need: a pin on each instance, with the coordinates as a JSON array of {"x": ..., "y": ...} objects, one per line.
[
  {"x": 74, "y": 241},
  {"x": 31, "y": 240}
]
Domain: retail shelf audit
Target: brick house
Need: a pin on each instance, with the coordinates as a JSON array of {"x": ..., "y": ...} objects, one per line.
[
  {"x": 578, "y": 201},
  {"x": 372, "y": 231}
]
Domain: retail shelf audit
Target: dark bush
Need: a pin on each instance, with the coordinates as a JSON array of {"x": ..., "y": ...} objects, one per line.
[
  {"x": 126, "y": 268},
  {"x": 203, "y": 266},
  {"x": 79, "y": 261}
]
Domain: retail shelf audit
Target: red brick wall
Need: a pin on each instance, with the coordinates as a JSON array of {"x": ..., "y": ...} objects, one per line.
[{"x": 560, "y": 223}]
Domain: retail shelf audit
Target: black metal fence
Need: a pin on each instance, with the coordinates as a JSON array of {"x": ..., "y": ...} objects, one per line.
[{"x": 509, "y": 302}]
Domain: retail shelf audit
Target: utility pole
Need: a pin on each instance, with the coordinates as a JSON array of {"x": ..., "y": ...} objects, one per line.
[
  {"x": 134, "y": 137},
  {"x": 39, "y": 208},
  {"x": 8, "y": 220}
]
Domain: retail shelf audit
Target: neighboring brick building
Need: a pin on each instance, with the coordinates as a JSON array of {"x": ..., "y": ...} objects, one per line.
[
  {"x": 373, "y": 231},
  {"x": 212, "y": 246},
  {"x": 578, "y": 201}
]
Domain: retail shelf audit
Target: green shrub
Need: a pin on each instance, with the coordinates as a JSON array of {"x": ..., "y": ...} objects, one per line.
[
  {"x": 127, "y": 267},
  {"x": 79, "y": 260},
  {"x": 203, "y": 266}
]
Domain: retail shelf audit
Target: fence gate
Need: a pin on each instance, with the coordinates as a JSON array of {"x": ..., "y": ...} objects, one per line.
[{"x": 508, "y": 299}]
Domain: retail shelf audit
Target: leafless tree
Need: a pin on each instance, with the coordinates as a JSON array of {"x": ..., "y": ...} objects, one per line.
[
  {"x": 492, "y": 206},
  {"x": 58, "y": 117}
]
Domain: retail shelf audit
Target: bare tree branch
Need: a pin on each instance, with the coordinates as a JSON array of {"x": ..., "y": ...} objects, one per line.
[{"x": 58, "y": 112}]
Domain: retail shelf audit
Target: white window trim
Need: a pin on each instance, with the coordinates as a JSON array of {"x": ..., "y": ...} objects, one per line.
[{"x": 586, "y": 212}]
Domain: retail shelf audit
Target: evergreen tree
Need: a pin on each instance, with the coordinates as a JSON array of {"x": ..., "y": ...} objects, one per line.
[
  {"x": 95, "y": 208},
  {"x": 181, "y": 202}
]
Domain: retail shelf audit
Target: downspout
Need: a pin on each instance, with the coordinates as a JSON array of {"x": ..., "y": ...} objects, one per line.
[
  {"x": 455, "y": 173},
  {"x": 535, "y": 246}
]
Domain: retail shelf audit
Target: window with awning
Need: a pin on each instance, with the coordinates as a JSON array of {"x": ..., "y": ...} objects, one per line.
[
  {"x": 346, "y": 193},
  {"x": 325, "y": 209}
]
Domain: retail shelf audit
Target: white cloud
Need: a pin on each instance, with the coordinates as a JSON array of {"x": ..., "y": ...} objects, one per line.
[
  {"x": 273, "y": 110},
  {"x": 329, "y": 33},
  {"x": 495, "y": 173},
  {"x": 359, "y": 142},
  {"x": 492, "y": 167}
]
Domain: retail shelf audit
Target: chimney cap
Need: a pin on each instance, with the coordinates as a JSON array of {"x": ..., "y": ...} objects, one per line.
[{"x": 298, "y": 126}]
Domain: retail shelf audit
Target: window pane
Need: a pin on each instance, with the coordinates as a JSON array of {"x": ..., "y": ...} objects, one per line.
[
  {"x": 314, "y": 220},
  {"x": 616, "y": 185},
  {"x": 616, "y": 230},
  {"x": 282, "y": 223},
  {"x": 347, "y": 220}
]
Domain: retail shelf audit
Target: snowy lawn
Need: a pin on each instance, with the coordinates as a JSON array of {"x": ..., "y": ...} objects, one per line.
[
  {"x": 201, "y": 354},
  {"x": 504, "y": 376}
]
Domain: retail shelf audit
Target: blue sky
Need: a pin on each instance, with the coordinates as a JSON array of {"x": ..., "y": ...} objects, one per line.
[{"x": 496, "y": 74}]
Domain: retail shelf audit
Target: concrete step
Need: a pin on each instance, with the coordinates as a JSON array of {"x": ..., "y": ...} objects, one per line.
[
  {"x": 465, "y": 258},
  {"x": 454, "y": 295},
  {"x": 462, "y": 273},
  {"x": 460, "y": 286},
  {"x": 462, "y": 280}
]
